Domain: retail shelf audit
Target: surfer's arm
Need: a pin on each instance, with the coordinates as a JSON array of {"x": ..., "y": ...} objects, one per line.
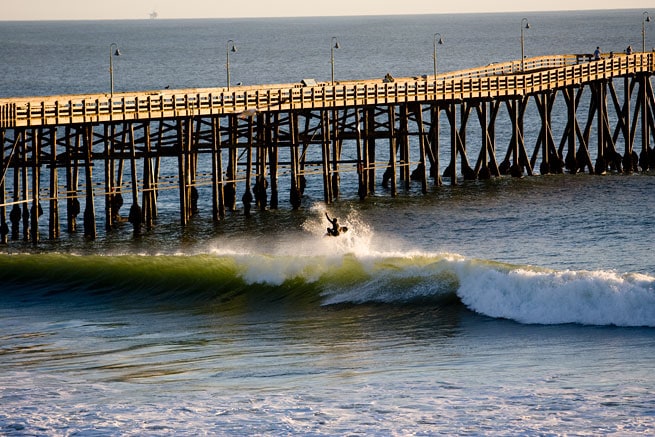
[{"x": 328, "y": 217}]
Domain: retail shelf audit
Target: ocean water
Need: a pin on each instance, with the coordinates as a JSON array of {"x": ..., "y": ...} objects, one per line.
[{"x": 503, "y": 307}]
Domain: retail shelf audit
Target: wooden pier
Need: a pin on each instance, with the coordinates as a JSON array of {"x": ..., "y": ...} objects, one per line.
[{"x": 257, "y": 139}]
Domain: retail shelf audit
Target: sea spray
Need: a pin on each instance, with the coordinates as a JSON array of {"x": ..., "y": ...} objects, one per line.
[
  {"x": 320, "y": 273},
  {"x": 529, "y": 295}
]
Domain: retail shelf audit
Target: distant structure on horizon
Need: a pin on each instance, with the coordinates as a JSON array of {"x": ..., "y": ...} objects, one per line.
[{"x": 154, "y": 15}]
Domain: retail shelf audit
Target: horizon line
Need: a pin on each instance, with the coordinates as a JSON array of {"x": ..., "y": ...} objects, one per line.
[{"x": 241, "y": 17}]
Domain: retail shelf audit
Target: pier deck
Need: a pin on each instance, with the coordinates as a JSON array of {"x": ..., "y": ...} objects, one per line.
[{"x": 72, "y": 134}]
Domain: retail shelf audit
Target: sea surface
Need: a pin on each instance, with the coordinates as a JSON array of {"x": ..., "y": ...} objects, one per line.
[{"x": 502, "y": 307}]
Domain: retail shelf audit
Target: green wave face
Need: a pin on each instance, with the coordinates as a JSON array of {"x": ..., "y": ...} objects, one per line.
[
  {"x": 208, "y": 279},
  {"x": 244, "y": 283}
]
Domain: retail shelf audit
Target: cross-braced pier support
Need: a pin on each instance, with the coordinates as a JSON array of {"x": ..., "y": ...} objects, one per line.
[{"x": 255, "y": 155}]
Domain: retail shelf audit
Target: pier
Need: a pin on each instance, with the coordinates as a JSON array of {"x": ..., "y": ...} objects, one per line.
[{"x": 103, "y": 157}]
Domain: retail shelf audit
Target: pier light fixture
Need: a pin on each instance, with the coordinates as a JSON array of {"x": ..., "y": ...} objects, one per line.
[
  {"x": 334, "y": 44},
  {"x": 112, "y": 53},
  {"x": 523, "y": 27},
  {"x": 645, "y": 18},
  {"x": 229, "y": 47},
  {"x": 434, "y": 55}
]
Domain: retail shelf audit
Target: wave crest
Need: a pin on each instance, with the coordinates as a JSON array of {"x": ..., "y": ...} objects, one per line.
[
  {"x": 521, "y": 293},
  {"x": 556, "y": 297}
]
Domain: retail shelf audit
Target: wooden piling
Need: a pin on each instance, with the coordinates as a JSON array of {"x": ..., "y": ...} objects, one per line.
[
  {"x": 452, "y": 167},
  {"x": 325, "y": 155},
  {"x": 628, "y": 164},
  {"x": 403, "y": 142},
  {"x": 109, "y": 176},
  {"x": 600, "y": 111},
  {"x": 89, "y": 209},
  {"x": 72, "y": 203},
  {"x": 369, "y": 149},
  {"x": 36, "y": 171},
  {"x": 53, "y": 207},
  {"x": 15, "y": 214},
  {"x": 261, "y": 183},
  {"x": 230, "y": 188},
  {"x": 4, "y": 227},
  {"x": 182, "y": 169},
  {"x": 482, "y": 166},
  {"x": 26, "y": 189},
  {"x": 435, "y": 130},
  {"x": 246, "y": 199},
  {"x": 149, "y": 198},
  {"x": 218, "y": 204},
  {"x": 643, "y": 106},
  {"x": 421, "y": 171},
  {"x": 274, "y": 159},
  {"x": 295, "y": 192},
  {"x": 391, "y": 114}
]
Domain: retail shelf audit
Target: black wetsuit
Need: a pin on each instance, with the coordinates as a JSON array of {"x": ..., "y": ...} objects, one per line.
[{"x": 334, "y": 231}]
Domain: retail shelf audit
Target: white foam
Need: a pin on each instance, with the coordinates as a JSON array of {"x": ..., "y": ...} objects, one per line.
[
  {"x": 275, "y": 270},
  {"x": 357, "y": 240},
  {"x": 524, "y": 294},
  {"x": 556, "y": 297}
]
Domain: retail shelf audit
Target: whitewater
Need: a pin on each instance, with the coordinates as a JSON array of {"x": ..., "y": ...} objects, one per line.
[{"x": 347, "y": 270}]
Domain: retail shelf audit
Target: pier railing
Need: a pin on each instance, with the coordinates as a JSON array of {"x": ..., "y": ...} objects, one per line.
[{"x": 491, "y": 81}]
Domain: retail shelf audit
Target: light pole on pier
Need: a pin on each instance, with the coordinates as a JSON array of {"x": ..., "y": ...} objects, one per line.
[
  {"x": 111, "y": 65},
  {"x": 229, "y": 47},
  {"x": 526, "y": 26},
  {"x": 434, "y": 55},
  {"x": 334, "y": 44},
  {"x": 645, "y": 18}
]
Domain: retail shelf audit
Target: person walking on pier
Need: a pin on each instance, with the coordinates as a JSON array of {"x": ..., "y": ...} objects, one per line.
[{"x": 597, "y": 54}]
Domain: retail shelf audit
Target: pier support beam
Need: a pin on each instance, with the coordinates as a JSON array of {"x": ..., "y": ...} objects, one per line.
[
  {"x": 391, "y": 172},
  {"x": 369, "y": 149},
  {"x": 420, "y": 172},
  {"x": 218, "y": 203},
  {"x": 570, "y": 132},
  {"x": 435, "y": 130},
  {"x": 4, "y": 163},
  {"x": 35, "y": 211},
  {"x": 295, "y": 195},
  {"x": 451, "y": 171},
  {"x": 89, "y": 208},
  {"x": 274, "y": 157},
  {"x": 230, "y": 188},
  {"x": 601, "y": 104},
  {"x": 111, "y": 195},
  {"x": 182, "y": 169},
  {"x": 25, "y": 186},
  {"x": 149, "y": 198},
  {"x": 53, "y": 207},
  {"x": 644, "y": 158}
]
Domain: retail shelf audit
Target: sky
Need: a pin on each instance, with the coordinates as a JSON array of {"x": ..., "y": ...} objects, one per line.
[{"x": 140, "y": 9}]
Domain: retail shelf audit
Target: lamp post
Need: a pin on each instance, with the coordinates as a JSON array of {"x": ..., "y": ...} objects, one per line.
[
  {"x": 645, "y": 18},
  {"x": 434, "y": 55},
  {"x": 111, "y": 65},
  {"x": 334, "y": 44},
  {"x": 229, "y": 47},
  {"x": 527, "y": 26}
]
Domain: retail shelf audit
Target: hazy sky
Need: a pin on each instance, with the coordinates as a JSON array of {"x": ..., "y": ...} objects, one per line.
[{"x": 139, "y": 9}]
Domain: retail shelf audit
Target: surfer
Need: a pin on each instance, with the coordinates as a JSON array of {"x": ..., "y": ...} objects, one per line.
[{"x": 335, "y": 229}]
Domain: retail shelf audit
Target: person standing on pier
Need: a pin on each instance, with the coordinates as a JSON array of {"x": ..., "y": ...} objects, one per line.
[{"x": 597, "y": 54}]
